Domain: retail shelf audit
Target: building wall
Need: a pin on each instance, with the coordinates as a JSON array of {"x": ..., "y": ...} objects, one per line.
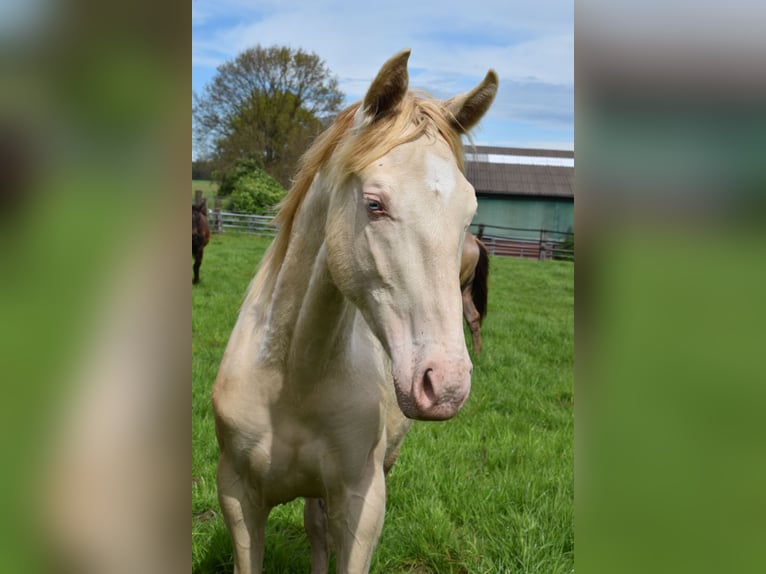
[{"x": 525, "y": 212}]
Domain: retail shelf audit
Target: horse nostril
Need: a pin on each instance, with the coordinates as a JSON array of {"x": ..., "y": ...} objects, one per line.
[{"x": 428, "y": 387}]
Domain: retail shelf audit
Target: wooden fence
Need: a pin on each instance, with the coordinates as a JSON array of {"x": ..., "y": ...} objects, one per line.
[{"x": 500, "y": 241}]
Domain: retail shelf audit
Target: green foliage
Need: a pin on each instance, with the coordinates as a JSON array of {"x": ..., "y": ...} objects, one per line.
[
  {"x": 489, "y": 491},
  {"x": 228, "y": 178},
  {"x": 266, "y": 106},
  {"x": 255, "y": 191},
  {"x": 565, "y": 250},
  {"x": 202, "y": 169}
]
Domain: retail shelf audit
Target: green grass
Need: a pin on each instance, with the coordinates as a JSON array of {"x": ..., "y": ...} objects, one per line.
[{"x": 490, "y": 491}]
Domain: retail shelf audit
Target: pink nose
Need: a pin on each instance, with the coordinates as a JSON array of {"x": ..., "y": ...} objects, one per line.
[{"x": 441, "y": 390}]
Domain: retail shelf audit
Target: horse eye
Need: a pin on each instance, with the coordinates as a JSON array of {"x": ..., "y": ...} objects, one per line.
[{"x": 373, "y": 205}]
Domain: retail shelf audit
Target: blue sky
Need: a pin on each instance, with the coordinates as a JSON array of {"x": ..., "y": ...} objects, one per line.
[{"x": 529, "y": 44}]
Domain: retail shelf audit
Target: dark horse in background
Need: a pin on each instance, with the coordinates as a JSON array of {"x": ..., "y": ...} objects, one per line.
[
  {"x": 474, "y": 272},
  {"x": 200, "y": 235}
]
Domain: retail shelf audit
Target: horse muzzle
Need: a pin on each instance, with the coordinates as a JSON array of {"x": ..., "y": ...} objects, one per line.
[{"x": 436, "y": 389}]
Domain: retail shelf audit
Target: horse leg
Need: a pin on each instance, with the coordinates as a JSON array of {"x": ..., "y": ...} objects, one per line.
[
  {"x": 315, "y": 523},
  {"x": 476, "y": 336},
  {"x": 473, "y": 319},
  {"x": 355, "y": 516},
  {"x": 397, "y": 426},
  {"x": 245, "y": 521},
  {"x": 197, "y": 263}
]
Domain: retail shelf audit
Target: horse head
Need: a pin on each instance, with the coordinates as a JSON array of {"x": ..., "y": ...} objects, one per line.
[
  {"x": 198, "y": 211},
  {"x": 395, "y": 231}
]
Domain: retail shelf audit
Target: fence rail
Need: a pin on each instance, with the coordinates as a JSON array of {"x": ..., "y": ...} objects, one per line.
[
  {"x": 523, "y": 242},
  {"x": 223, "y": 221},
  {"x": 501, "y": 241}
]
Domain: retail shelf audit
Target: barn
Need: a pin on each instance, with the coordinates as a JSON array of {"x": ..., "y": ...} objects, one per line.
[{"x": 526, "y": 199}]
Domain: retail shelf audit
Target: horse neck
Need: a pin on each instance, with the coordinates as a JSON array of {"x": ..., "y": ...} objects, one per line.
[{"x": 307, "y": 317}]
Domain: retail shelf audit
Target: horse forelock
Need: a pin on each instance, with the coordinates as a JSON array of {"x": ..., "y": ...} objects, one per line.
[
  {"x": 418, "y": 114},
  {"x": 345, "y": 148}
]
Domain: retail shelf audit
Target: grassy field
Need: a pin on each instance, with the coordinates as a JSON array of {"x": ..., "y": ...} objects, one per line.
[{"x": 490, "y": 491}]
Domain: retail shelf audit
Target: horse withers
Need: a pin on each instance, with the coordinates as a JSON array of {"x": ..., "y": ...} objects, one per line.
[
  {"x": 200, "y": 235},
  {"x": 353, "y": 324}
]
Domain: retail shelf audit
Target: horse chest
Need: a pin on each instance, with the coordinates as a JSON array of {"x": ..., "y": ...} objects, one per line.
[
  {"x": 297, "y": 459},
  {"x": 306, "y": 431},
  {"x": 290, "y": 468}
]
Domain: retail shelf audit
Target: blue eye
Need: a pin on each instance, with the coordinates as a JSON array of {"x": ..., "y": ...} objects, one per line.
[{"x": 373, "y": 205}]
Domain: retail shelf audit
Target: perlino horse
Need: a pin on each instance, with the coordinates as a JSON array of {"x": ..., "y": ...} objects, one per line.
[{"x": 353, "y": 323}]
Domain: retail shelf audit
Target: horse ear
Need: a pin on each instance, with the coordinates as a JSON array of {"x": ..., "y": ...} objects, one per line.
[
  {"x": 467, "y": 109},
  {"x": 388, "y": 88}
]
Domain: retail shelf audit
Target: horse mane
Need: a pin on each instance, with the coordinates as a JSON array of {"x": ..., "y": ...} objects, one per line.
[
  {"x": 357, "y": 146},
  {"x": 479, "y": 287}
]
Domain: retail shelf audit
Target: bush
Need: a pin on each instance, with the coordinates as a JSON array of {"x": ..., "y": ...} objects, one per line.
[{"x": 255, "y": 191}]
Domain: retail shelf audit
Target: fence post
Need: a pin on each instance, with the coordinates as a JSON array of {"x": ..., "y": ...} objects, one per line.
[
  {"x": 542, "y": 245},
  {"x": 217, "y": 223},
  {"x": 197, "y": 196}
]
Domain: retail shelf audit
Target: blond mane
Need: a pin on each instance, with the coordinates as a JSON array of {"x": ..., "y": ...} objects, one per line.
[{"x": 343, "y": 150}]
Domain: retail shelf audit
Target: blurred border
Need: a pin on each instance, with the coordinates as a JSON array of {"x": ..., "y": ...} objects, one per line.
[
  {"x": 670, "y": 143},
  {"x": 94, "y": 160},
  {"x": 94, "y": 152}
]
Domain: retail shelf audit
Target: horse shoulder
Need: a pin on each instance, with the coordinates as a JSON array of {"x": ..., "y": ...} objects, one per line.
[{"x": 244, "y": 388}]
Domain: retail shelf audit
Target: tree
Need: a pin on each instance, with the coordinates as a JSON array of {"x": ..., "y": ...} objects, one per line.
[
  {"x": 265, "y": 107},
  {"x": 201, "y": 169}
]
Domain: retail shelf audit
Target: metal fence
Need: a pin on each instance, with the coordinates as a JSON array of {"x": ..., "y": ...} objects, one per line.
[
  {"x": 500, "y": 241},
  {"x": 229, "y": 221},
  {"x": 521, "y": 242}
]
